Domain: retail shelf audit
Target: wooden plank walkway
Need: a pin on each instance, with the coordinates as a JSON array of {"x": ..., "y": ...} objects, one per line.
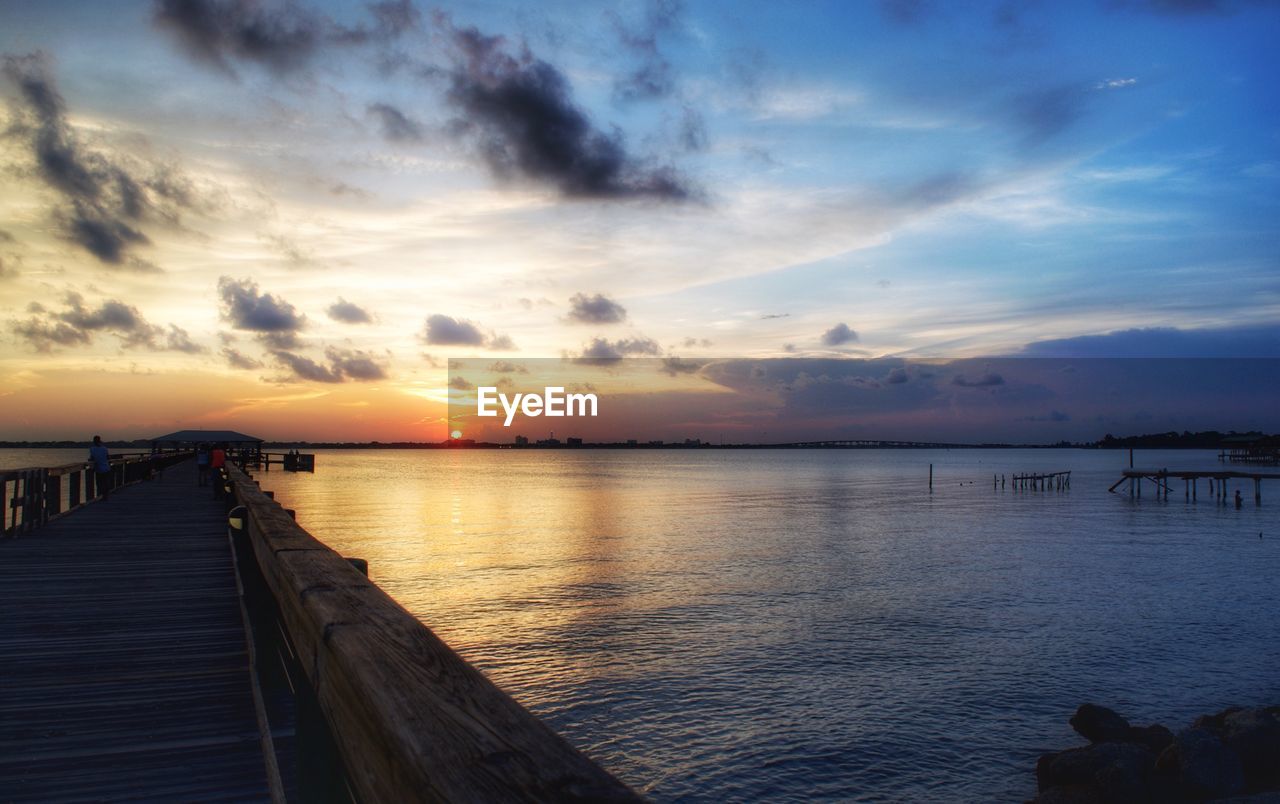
[{"x": 124, "y": 671}]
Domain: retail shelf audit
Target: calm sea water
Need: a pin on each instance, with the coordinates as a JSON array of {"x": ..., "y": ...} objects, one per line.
[{"x": 815, "y": 624}]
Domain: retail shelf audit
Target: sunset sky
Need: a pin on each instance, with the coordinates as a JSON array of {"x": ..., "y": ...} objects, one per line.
[{"x": 286, "y": 218}]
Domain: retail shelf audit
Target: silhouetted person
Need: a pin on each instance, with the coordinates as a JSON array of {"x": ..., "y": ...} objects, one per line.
[
  {"x": 218, "y": 462},
  {"x": 1239, "y": 499},
  {"x": 100, "y": 459},
  {"x": 202, "y": 464}
]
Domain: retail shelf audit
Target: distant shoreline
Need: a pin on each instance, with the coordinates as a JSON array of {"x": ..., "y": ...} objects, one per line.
[{"x": 1206, "y": 440}]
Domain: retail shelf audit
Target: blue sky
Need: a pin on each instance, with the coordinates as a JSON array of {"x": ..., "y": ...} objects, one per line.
[{"x": 943, "y": 179}]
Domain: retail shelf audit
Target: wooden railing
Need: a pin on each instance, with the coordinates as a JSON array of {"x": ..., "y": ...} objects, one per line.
[
  {"x": 34, "y": 496},
  {"x": 411, "y": 720}
]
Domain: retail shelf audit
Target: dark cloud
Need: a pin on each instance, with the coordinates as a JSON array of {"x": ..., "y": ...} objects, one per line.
[
  {"x": 237, "y": 359},
  {"x": 177, "y": 339},
  {"x": 443, "y": 330},
  {"x": 307, "y": 369},
  {"x": 839, "y": 335},
  {"x": 77, "y": 323},
  {"x": 676, "y": 365},
  {"x": 249, "y": 309},
  {"x": 349, "y": 312},
  {"x": 768, "y": 316},
  {"x": 111, "y": 315},
  {"x": 44, "y": 336},
  {"x": 597, "y": 309},
  {"x": 104, "y": 202},
  {"x": 102, "y": 235},
  {"x": 987, "y": 380},
  {"x": 344, "y": 364},
  {"x": 355, "y": 364},
  {"x": 521, "y": 117},
  {"x": 459, "y": 383},
  {"x": 279, "y": 35},
  {"x": 690, "y": 343},
  {"x": 1166, "y": 342},
  {"x": 286, "y": 340},
  {"x": 897, "y": 376},
  {"x": 396, "y": 125},
  {"x": 603, "y": 350}
]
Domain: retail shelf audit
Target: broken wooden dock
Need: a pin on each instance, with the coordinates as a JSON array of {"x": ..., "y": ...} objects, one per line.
[
  {"x": 1047, "y": 481},
  {"x": 1219, "y": 482}
]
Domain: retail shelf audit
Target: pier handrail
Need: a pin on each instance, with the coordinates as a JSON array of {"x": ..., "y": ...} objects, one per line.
[
  {"x": 40, "y": 494},
  {"x": 411, "y": 719}
]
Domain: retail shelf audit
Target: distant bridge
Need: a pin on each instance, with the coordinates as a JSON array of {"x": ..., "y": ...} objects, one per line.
[{"x": 852, "y": 443}]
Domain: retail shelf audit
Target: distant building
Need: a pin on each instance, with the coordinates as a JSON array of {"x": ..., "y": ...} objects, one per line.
[
  {"x": 549, "y": 442},
  {"x": 631, "y": 442},
  {"x": 522, "y": 441},
  {"x": 574, "y": 442}
]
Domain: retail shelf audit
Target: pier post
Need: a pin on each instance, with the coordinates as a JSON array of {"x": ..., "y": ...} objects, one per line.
[
  {"x": 930, "y": 477},
  {"x": 1257, "y": 491}
]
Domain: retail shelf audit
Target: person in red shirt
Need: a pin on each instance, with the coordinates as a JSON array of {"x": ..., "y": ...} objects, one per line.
[{"x": 217, "y": 462}]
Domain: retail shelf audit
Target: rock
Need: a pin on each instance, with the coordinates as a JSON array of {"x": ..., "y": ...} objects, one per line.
[
  {"x": 1098, "y": 724},
  {"x": 1206, "y": 766},
  {"x": 1072, "y": 794},
  {"x": 1126, "y": 780},
  {"x": 1254, "y": 734},
  {"x": 1155, "y": 737},
  {"x": 1106, "y": 765}
]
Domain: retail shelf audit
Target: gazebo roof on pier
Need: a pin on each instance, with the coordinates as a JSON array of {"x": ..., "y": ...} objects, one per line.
[{"x": 196, "y": 436}]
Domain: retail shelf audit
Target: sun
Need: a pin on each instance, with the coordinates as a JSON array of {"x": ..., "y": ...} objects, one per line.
[{"x": 456, "y": 434}]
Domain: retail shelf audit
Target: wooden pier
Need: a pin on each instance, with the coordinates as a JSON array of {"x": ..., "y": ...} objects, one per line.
[
  {"x": 167, "y": 645},
  {"x": 1219, "y": 485},
  {"x": 124, "y": 670},
  {"x": 289, "y": 461}
]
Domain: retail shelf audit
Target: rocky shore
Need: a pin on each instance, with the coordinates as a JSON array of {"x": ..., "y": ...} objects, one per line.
[{"x": 1231, "y": 756}]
